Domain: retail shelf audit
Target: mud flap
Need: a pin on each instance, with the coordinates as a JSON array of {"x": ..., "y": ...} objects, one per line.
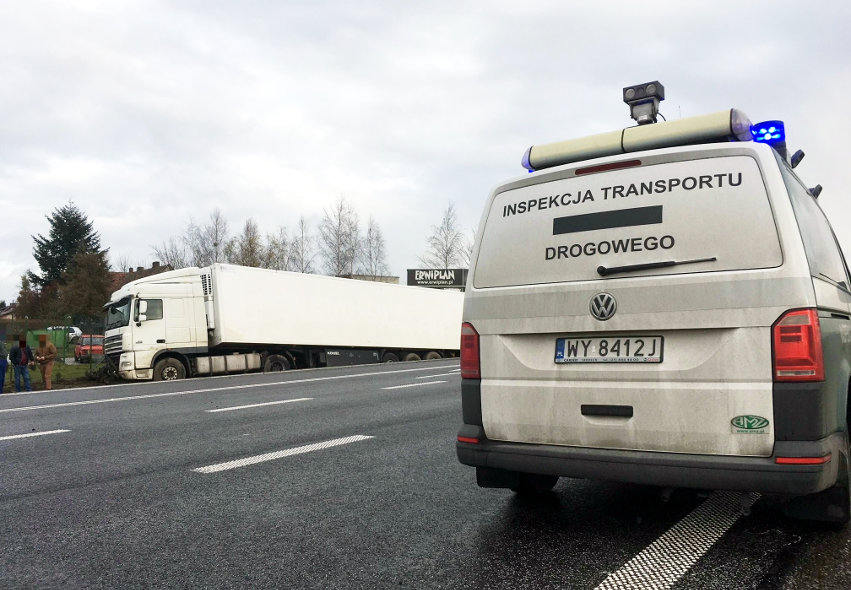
[
  {"x": 831, "y": 505},
  {"x": 489, "y": 477}
]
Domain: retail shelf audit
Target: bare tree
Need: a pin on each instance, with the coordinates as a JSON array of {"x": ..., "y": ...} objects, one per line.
[
  {"x": 173, "y": 252},
  {"x": 372, "y": 254},
  {"x": 122, "y": 263},
  {"x": 301, "y": 248},
  {"x": 446, "y": 245},
  {"x": 338, "y": 239},
  {"x": 467, "y": 251},
  {"x": 277, "y": 253},
  {"x": 246, "y": 249},
  {"x": 207, "y": 243}
]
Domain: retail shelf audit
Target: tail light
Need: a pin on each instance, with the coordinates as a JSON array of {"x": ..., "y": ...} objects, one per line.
[
  {"x": 797, "y": 347},
  {"x": 469, "y": 352}
]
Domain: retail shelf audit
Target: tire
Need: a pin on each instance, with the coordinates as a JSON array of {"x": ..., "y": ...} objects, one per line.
[
  {"x": 390, "y": 357},
  {"x": 432, "y": 356},
  {"x": 831, "y": 505},
  {"x": 412, "y": 356},
  {"x": 275, "y": 363},
  {"x": 532, "y": 484},
  {"x": 169, "y": 370}
]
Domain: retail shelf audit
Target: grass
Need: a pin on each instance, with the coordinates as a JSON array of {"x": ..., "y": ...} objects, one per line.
[{"x": 64, "y": 375}]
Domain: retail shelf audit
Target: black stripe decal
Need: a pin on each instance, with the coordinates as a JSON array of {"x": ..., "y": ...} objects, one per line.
[{"x": 608, "y": 219}]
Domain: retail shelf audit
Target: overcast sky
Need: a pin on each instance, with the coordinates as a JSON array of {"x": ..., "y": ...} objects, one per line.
[{"x": 147, "y": 114}]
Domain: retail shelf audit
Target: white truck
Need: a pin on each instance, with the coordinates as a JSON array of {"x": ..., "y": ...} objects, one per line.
[{"x": 230, "y": 319}]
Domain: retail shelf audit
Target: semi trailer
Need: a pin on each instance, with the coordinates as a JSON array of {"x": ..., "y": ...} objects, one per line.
[{"x": 230, "y": 319}]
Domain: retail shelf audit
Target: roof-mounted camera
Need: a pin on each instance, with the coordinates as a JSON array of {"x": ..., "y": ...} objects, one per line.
[{"x": 643, "y": 101}]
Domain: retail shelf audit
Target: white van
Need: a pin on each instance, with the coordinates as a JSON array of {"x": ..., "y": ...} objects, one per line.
[{"x": 665, "y": 305}]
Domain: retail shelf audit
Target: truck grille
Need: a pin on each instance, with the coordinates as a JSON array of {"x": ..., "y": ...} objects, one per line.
[{"x": 112, "y": 345}]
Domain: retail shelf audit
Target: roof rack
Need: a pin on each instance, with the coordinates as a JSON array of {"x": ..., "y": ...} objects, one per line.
[{"x": 728, "y": 125}]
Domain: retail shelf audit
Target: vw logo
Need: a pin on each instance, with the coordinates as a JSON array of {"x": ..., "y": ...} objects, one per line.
[{"x": 603, "y": 306}]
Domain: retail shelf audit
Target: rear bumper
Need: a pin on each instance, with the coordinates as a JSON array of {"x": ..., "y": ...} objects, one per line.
[{"x": 715, "y": 472}]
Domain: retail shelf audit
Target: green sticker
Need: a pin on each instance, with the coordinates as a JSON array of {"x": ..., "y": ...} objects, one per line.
[{"x": 749, "y": 425}]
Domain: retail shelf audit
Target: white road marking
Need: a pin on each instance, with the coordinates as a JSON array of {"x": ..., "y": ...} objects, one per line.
[
  {"x": 439, "y": 375},
  {"x": 414, "y": 385},
  {"x": 283, "y": 401},
  {"x": 207, "y": 390},
  {"x": 29, "y": 434},
  {"x": 280, "y": 454},
  {"x": 667, "y": 559}
]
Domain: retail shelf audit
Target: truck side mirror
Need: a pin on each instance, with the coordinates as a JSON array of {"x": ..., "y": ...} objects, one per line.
[{"x": 141, "y": 310}]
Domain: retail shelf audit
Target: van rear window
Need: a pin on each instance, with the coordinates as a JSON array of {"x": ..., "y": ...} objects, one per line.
[{"x": 710, "y": 214}]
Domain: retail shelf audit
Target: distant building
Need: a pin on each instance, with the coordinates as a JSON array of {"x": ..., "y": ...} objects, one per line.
[
  {"x": 119, "y": 278},
  {"x": 8, "y": 312},
  {"x": 373, "y": 278}
]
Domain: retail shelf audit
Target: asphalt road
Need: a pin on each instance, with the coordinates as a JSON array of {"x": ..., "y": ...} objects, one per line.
[{"x": 345, "y": 478}]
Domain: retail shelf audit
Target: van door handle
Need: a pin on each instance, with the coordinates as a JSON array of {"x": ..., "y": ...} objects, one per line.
[
  {"x": 600, "y": 410},
  {"x": 161, "y": 341}
]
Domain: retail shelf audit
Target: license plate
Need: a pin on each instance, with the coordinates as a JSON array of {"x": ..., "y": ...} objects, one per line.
[{"x": 620, "y": 349}]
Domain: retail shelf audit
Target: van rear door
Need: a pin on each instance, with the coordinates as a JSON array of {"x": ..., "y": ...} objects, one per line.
[{"x": 629, "y": 304}]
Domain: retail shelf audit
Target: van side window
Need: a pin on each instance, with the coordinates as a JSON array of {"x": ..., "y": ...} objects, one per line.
[
  {"x": 823, "y": 253},
  {"x": 155, "y": 309}
]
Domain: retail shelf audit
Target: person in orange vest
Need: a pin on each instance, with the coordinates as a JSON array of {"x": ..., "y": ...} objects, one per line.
[{"x": 45, "y": 355}]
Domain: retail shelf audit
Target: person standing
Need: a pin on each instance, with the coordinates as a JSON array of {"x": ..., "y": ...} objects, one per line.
[
  {"x": 21, "y": 356},
  {"x": 3, "y": 363},
  {"x": 45, "y": 355}
]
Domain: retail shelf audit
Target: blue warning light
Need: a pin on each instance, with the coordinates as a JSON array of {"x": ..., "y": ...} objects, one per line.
[{"x": 769, "y": 132}]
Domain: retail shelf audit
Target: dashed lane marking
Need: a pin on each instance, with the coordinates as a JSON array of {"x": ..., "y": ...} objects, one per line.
[
  {"x": 667, "y": 559},
  {"x": 281, "y": 454},
  {"x": 30, "y": 434},
  {"x": 414, "y": 385},
  {"x": 245, "y": 407}
]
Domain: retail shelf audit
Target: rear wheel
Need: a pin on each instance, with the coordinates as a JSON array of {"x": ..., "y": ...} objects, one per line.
[
  {"x": 412, "y": 356},
  {"x": 390, "y": 357},
  {"x": 432, "y": 356},
  {"x": 169, "y": 370},
  {"x": 276, "y": 362},
  {"x": 532, "y": 484}
]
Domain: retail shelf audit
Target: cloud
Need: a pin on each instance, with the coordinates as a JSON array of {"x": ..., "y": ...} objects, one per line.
[{"x": 149, "y": 114}]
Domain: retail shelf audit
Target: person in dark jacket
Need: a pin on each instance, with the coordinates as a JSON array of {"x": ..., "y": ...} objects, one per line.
[
  {"x": 3, "y": 363},
  {"x": 21, "y": 356}
]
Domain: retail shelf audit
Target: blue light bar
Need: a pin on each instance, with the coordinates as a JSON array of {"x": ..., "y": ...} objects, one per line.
[{"x": 769, "y": 132}]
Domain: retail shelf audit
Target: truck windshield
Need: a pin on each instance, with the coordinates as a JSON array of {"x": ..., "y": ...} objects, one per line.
[{"x": 118, "y": 313}]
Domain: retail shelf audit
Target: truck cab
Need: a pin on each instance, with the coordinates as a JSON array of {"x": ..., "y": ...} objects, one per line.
[{"x": 157, "y": 321}]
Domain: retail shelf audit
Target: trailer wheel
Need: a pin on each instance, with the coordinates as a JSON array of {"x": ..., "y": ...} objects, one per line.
[
  {"x": 390, "y": 357},
  {"x": 412, "y": 356},
  {"x": 276, "y": 362},
  {"x": 169, "y": 370},
  {"x": 432, "y": 355}
]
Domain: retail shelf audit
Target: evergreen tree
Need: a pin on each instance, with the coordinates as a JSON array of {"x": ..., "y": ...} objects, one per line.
[
  {"x": 70, "y": 233},
  {"x": 87, "y": 285}
]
